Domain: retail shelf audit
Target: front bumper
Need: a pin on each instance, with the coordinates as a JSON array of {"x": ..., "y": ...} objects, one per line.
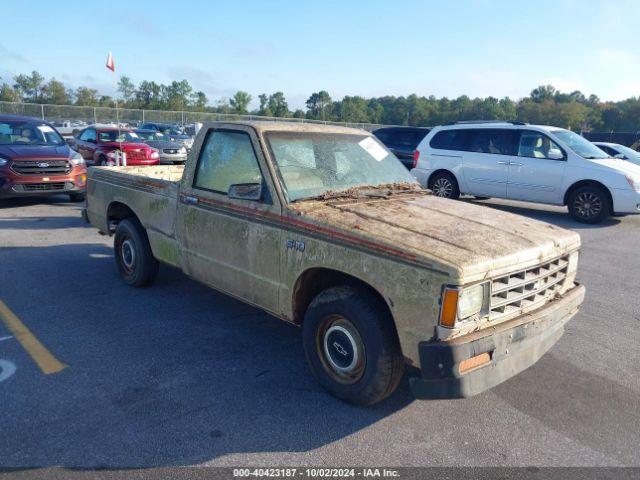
[
  {"x": 171, "y": 158},
  {"x": 28, "y": 186},
  {"x": 512, "y": 347},
  {"x": 626, "y": 201}
]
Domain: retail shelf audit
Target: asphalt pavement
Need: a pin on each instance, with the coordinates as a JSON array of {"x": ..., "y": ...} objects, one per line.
[{"x": 178, "y": 374}]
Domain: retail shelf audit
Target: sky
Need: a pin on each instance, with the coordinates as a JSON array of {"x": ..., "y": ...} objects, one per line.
[{"x": 368, "y": 48}]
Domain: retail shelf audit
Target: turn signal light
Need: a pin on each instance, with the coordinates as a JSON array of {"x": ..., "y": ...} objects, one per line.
[
  {"x": 416, "y": 156},
  {"x": 449, "y": 308}
]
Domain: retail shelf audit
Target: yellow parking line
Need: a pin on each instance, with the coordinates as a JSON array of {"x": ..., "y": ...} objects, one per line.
[{"x": 43, "y": 357}]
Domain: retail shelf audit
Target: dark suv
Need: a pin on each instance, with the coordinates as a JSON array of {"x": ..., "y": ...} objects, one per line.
[{"x": 402, "y": 141}]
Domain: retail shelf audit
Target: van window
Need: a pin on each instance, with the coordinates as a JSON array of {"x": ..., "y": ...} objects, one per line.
[
  {"x": 449, "y": 140},
  {"x": 536, "y": 145},
  {"x": 495, "y": 141}
]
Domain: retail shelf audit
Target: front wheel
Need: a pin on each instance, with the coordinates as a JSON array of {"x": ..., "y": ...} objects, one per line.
[
  {"x": 134, "y": 258},
  {"x": 589, "y": 204},
  {"x": 444, "y": 185},
  {"x": 352, "y": 346},
  {"x": 76, "y": 197}
]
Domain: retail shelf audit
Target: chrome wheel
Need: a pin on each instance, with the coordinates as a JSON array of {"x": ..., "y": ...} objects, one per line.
[
  {"x": 341, "y": 350},
  {"x": 587, "y": 205},
  {"x": 442, "y": 187}
]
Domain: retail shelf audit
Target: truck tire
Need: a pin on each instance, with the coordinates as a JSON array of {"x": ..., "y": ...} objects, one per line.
[
  {"x": 444, "y": 185},
  {"x": 589, "y": 204},
  {"x": 134, "y": 258},
  {"x": 352, "y": 346}
]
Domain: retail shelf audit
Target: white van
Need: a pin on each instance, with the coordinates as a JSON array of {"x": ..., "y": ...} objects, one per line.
[{"x": 532, "y": 163}]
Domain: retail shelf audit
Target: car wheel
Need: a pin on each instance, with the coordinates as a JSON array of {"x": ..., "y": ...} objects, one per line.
[
  {"x": 444, "y": 185},
  {"x": 134, "y": 258},
  {"x": 352, "y": 346},
  {"x": 589, "y": 204},
  {"x": 77, "y": 197}
]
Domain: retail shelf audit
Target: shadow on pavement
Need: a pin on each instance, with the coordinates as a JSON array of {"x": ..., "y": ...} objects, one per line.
[{"x": 173, "y": 374}]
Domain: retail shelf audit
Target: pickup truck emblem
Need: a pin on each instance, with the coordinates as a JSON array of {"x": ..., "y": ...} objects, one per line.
[
  {"x": 295, "y": 245},
  {"x": 340, "y": 349},
  {"x": 43, "y": 164}
]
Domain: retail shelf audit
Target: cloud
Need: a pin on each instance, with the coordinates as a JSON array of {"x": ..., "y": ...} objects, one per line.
[{"x": 6, "y": 54}]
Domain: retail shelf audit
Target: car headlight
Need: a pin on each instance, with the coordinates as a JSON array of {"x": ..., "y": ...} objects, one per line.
[
  {"x": 634, "y": 182},
  {"x": 76, "y": 158},
  {"x": 460, "y": 305},
  {"x": 183, "y": 150},
  {"x": 3, "y": 162},
  {"x": 154, "y": 154}
]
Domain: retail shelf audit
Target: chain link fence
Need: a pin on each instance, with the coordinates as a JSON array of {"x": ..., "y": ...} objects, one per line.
[{"x": 133, "y": 117}]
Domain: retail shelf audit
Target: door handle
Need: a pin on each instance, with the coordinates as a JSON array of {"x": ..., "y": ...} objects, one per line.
[
  {"x": 189, "y": 200},
  {"x": 515, "y": 164},
  {"x": 503, "y": 163}
]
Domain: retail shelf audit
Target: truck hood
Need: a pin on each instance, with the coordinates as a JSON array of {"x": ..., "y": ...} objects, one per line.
[
  {"x": 468, "y": 242},
  {"x": 30, "y": 152}
]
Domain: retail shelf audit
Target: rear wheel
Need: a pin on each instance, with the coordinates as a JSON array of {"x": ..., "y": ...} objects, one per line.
[
  {"x": 134, "y": 258},
  {"x": 351, "y": 345},
  {"x": 589, "y": 204},
  {"x": 444, "y": 185}
]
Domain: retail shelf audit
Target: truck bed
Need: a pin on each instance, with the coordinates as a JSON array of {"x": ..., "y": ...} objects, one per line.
[{"x": 169, "y": 173}]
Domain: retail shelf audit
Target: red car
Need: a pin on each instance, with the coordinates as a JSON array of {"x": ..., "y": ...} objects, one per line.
[
  {"x": 35, "y": 160},
  {"x": 100, "y": 146}
]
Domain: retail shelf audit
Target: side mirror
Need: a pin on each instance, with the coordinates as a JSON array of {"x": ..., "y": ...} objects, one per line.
[
  {"x": 70, "y": 141},
  {"x": 555, "y": 154},
  {"x": 245, "y": 191}
]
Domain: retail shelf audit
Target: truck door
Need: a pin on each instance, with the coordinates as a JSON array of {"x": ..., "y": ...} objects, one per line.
[{"x": 227, "y": 218}]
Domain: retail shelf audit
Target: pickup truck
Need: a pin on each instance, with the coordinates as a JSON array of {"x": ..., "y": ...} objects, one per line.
[{"x": 323, "y": 227}]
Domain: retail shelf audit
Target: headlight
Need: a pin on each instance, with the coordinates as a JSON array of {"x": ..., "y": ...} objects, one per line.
[
  {"x": 634, "y": 182},
  {"x": 112, "y": 154},
  {"x": 463, "y": 304},
  {"x": 76, "y": 158},
  {"x": 154, "y": 154},
  {"x": 183, "y": 150},
  {"x": 3, "y": 162}
]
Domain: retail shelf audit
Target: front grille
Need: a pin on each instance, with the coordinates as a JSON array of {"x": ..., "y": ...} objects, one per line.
[
  {"x": 524, "y": 290},
  {"x": 136, "y": 155},
  {"x": 171, "y": 151},
  {"x": 42, "y": 167},
  {"x": 39, "y": 187}
]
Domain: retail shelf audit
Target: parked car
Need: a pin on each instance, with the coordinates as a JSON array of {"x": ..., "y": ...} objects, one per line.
[
  {"x": 323, "y": 227},
  {"x": 174, "y": 133},
  {"x": 619, "y": 151},
  {"x": 170, "y": 152},
  {"x": 35, "y": 160},
  {"x": 532, "y": 163},
  {"x": 100, "y": 146},
  {"x": 402, "y": 141}
]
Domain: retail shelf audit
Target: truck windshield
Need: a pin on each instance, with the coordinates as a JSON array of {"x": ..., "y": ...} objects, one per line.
[
  {"x": 28, "y": 133},
  {"x": 580, "y": 145},
  {"x": 312, "y": 164}
]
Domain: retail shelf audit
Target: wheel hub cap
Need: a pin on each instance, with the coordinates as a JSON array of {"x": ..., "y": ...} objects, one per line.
[
  {"x": 588, "y": 205},
  {"x": 442, "y": 187},
  {"x": 128, "y": 254},
  {"x": 341, "y": 349}
]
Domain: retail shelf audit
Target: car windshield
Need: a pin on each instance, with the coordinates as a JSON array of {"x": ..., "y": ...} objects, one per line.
[
  {"x": 316, "y": 164},
  {"x": 627, "y": 152},
  {"x": 121, "y": 136},
  {"x": 580, "y": 145},
  {"x": 28, "y": 133},
  {"x": 169, "y": 130},
  {"x": 150, "y": 136}
]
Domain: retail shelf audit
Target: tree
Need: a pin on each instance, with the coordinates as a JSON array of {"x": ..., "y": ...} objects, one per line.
[
  {"x": 240, "y": 102},
  {"x": 126, "y": 88},
  {"x": 264, "y": 106},
  {"x": 9, "y": 94},
  {"x": 278, "y": 105},
  {"x": 29, "y": 86},
  {"x": 86, "y": 97},
  {"x": 542, "y": 93},
  {"x": 319, "y": 105},
  {"x": 199, "y": 100},
  {"x": 54, "y": 92}
]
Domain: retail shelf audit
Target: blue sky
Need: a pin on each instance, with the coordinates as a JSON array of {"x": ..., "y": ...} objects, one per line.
[{"x": 367, "y": 48}]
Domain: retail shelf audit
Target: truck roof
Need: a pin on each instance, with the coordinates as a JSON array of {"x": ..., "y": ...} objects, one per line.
[{"x": 266, "y": 126}]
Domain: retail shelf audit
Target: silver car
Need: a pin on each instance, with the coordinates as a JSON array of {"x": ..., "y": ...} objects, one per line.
[{"x": 170, "y": 152}]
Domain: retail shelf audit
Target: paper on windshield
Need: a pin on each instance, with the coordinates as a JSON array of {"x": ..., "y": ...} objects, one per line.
[
  {"x": 45, "y": 129},
  {"x": 373, "y": 148}
]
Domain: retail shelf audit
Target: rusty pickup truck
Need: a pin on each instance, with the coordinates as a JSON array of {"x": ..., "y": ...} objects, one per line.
[{"x": 323, "y": 227}]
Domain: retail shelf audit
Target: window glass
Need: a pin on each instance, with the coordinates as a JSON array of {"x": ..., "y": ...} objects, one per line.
[
  {"x": 495, "y": 141},
  {"x": 22, "y": 132},
  {"x": 120, "y": 136},
  {"x": 227, "y": 159},
  {"x": 450, "y": 140},
  {"x": 579, "y": 144},
  {"x": 88, "y": 134},
  {"x": 536, "y": 145}
]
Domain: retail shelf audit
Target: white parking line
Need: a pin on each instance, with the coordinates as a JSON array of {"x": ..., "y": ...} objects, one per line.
[{"x": 8, "y": 337}]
